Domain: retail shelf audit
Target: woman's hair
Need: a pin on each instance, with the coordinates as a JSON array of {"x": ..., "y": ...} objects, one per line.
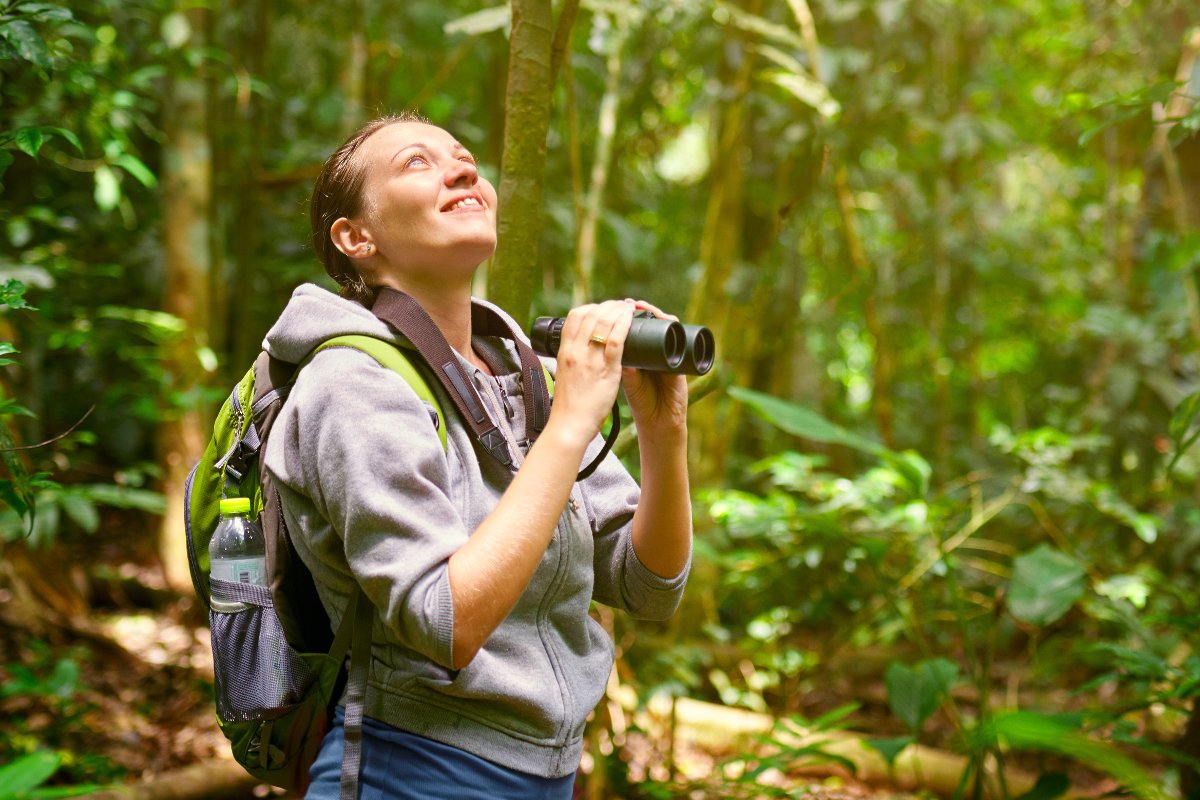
[{"x": 338, "y": 193}]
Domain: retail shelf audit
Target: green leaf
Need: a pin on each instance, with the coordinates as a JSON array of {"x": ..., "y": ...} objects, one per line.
[
  {"x": 108, "y": 188},
  {"x": 1049, "y": 786},
  {"x": 734, "y": 17},
  {"x": 66, "y": 134},
  {"x": 44, "y": 12},
  {"x": 29, "y": 140},
  {"x": 889, "y": 748},
  {"x": 800, "y": 421},
  {"x": 915, "y": 693},
  {"x": 807, "y": 90},
  {"x": 12, "y": 292},
  {"x": 1181, "y": 422},
  {"x": 480, "y": 22},
  {"x": 28, "y": 43},
  {"x": 1045, "y": 584},
  {"x": 65, "y": 679},
  {"x": 81, "y": 510},
  {"x": 27, "y": 773},
  {"x": 1027, "y": 730},
  {"x": 137, "y": 169},
  {"x": 6, "y": 158}
]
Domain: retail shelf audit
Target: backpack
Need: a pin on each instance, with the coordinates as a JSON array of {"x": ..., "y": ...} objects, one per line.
[{"x": 279, "y": 668}]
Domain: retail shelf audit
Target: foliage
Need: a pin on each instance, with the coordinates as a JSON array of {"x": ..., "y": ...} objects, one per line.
[{"x": 944, "y": 244}]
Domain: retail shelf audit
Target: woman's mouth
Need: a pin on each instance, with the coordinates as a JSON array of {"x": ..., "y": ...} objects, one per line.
[{"x": 464, "y": 202}]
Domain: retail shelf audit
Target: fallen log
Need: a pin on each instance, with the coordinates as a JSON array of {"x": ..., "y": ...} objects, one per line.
[
  {"x": 720, "y": 729},
  {"x": 219, "y": 779}
]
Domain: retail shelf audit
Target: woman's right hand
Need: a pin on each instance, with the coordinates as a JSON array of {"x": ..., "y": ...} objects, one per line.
[{"x": 589, "y": 372}]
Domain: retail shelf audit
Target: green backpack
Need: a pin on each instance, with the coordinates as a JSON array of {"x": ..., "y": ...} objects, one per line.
[{"x": 278, "y": 666}]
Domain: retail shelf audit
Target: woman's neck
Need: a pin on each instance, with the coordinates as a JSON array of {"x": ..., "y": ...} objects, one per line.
[{"x": 450, "y": 310}]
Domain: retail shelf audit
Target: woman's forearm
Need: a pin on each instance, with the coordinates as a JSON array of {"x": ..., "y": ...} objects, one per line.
[
  {"x": 662, "y": 523},
  {"x": 490, "y": 571}
]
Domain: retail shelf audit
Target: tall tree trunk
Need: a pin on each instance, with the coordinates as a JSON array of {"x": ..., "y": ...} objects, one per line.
[
  {"x": 585, "y": 252},
  {"x": 354, "y": 76},
  {"x": 187, "y": 203},
  {"x": 720, "y": 246},
  {"x": 511, "y": 274}
]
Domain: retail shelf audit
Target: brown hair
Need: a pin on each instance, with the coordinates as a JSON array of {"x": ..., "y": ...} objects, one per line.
[{"x": 338, "y": 193}]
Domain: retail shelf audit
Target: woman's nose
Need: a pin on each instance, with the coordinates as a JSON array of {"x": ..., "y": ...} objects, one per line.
[{"x": 461, "y": 172}]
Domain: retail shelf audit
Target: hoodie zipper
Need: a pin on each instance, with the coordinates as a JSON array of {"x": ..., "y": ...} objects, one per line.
[{"x": 508, "y": 409}]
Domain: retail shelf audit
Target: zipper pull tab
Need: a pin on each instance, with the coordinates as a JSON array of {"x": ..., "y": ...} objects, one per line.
[{"x": 508, "y": 409}]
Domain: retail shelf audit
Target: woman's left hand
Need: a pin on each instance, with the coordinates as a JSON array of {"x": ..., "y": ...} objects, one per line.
[{"x": 657, "y": 400}]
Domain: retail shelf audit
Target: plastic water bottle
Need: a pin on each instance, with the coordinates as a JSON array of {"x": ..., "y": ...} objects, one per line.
[{"x": 237, "y": 551}]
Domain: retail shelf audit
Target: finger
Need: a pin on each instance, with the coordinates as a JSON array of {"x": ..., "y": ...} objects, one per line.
[
  {"x": 579, "y": 324},
  {"x": 642, "y": 305},
  {"x": 611, "y": 325}
]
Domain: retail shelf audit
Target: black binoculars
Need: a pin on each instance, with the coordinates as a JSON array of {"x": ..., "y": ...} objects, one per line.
[{"x": 657, "y": 345}]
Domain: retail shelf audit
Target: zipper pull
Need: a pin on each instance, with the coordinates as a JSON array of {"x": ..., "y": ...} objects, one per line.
[{"x": 508, "y": 409}]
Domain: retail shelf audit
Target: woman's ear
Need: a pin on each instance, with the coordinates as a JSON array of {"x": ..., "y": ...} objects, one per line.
[{"x": 351, "y": 239}]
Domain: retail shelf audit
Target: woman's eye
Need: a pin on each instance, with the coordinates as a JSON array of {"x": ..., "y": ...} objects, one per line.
[{"x": 414, "y": 160}]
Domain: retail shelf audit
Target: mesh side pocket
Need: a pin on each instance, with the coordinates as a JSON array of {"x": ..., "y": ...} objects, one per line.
[{"x": 258, "y": 674}]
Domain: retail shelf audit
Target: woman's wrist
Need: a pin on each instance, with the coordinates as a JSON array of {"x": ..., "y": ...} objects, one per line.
[{"x": 572, "y": 436}]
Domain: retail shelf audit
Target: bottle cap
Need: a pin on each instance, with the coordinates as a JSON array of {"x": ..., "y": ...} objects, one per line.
[{"x": 235, "y": 505}]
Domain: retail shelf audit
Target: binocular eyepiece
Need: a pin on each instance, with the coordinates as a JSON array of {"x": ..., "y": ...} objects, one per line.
[{"x": 656, "y": 345}]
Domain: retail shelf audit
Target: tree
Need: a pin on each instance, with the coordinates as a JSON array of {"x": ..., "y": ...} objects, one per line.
[{"x": 187, "y": 207}]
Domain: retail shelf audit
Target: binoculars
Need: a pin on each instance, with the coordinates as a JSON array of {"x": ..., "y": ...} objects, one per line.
[{"x": 657, "y": 345}]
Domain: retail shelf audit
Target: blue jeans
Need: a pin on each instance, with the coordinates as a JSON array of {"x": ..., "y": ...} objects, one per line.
[{"x": 397, "y": 765}]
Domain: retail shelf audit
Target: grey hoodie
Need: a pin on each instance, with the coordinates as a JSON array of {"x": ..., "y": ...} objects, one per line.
[{"x": 371, "y": 497}]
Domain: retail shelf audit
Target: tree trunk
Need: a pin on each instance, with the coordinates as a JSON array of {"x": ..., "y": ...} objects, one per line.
[
  {"x": 510, "y": 276},
  {"x": 585, "y": 253},
  {"x": 720, "y": 246},
  {"x": 187, "y": 204}
]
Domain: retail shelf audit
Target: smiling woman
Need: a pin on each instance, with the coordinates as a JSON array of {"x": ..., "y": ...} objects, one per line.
[{"x": 485, "y": 662}]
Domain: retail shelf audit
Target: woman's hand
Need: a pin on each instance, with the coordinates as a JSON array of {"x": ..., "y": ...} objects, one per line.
[
  {"x": 657, "y": 400},
  {"x": 589, "y": 366}
]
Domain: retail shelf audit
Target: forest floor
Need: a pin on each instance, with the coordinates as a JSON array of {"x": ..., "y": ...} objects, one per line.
[
  {"x": 123, "y": 690},
  {"x": 126, "y": 698}
]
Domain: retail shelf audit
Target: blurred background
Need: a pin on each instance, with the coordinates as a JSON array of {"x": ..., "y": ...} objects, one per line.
[{"x": 946, "y": 510}]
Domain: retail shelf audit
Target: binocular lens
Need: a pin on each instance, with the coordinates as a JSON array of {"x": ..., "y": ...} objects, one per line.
[
  {"x": 701, "y": 350},
  {"x": 657, "y": 345}
]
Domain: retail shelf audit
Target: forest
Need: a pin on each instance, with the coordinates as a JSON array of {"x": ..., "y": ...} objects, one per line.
[{"x": 945, "y": 497}]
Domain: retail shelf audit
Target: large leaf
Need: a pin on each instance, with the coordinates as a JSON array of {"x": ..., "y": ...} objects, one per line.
[
  {"x": 1027, "y": 730},
  {"x": 28, "y": 44},
  {"x": 914, "y": 693},
  {"x": 800, "y": 421},
  {"x": 27, "y": 773},
  {"x": 1045, "y": 584}
]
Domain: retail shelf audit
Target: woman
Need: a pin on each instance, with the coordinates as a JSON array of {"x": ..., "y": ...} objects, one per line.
[{"x": 485, "y": 662}]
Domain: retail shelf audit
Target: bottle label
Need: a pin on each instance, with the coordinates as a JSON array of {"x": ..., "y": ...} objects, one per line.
[{"x": 240, "y": 570}]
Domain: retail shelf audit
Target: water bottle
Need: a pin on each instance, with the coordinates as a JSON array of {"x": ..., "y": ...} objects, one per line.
[{"x": 237, "y": 551}]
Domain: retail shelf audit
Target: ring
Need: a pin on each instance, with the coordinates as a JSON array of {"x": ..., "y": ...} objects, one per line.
[{"x": 598, "y": 339}]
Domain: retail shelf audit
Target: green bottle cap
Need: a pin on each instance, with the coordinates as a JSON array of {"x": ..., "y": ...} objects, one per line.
[{"x": 235, "y": 505}]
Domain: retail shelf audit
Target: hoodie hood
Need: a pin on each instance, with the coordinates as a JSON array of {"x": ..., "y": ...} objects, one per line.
[{"x": 315, "y": 314}]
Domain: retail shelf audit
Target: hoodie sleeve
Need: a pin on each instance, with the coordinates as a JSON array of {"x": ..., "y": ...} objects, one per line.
[
  {"x": 361, "y": 445},
  {"x": 611, "y": 497}
]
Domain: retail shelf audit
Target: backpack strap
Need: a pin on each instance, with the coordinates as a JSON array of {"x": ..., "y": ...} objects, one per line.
[
  {"x": 405, "y": 314},
  {"x": 394, "y": 358},
  {"x": 358, "y": 618}
]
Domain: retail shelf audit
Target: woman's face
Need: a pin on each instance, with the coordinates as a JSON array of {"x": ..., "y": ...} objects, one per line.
[{"x": 425, "y": 207}]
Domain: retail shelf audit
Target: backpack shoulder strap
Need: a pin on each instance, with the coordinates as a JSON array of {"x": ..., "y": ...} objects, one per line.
[
  {"x": 405, "y": 314},
  {"x": 397, "y": 360}
]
